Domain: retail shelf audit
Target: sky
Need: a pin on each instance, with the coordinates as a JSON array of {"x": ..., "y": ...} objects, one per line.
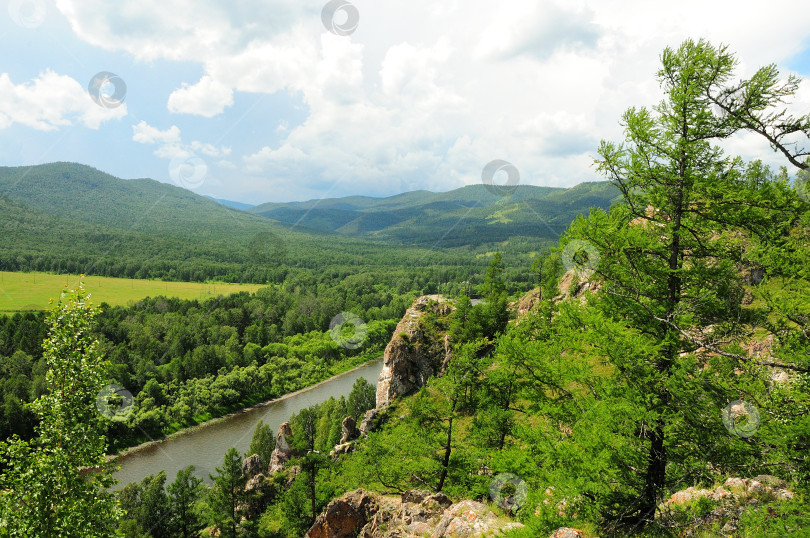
[{"x": 282, "y": 100}]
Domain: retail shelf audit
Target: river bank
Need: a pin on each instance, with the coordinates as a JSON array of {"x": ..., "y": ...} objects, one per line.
[
  {"x": 212, "y": 422},
  {"x": 204, "y": 445}
]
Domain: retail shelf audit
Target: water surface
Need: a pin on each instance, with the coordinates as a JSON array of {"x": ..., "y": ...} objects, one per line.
[{"x": 205, "y": 447}]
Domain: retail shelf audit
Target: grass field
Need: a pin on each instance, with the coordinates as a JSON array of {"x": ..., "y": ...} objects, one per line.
[{"x": 32, "y": 291}]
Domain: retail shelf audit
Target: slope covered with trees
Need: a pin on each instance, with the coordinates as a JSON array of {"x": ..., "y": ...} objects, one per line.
[
  {"x": 66, "y": 217},
  {"x": 474, "y": 216},
  {"x": 667, "y": 349}
]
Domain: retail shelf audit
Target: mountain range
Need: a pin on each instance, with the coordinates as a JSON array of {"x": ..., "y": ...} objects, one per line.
[
  {"x": 68, "y": 217},
  {"x": 470, "y": 216}
]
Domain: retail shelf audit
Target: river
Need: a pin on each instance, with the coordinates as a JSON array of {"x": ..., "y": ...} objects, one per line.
[{"x": 205, "y": 446}]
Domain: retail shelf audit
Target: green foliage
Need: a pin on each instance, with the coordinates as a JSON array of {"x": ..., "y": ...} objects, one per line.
[
  {"x": 626, "y": 400},
  {"x": 262, "y": 443},
  {"x": 786, "y": 518},
  {"x": 484, "y": 320},
  {"x": 362, "y": 398},
  {"x": 227, "y": 494},
  {"x": 470, "y": 217},
  {"x": 146, "y": 229},
  {"x": 187, "y": 360},
  {"x": 184, "y": 496},
  {"x": 311, "y": 440},
  {"x": 493, "y": 282},
  {"x": 147, "y": 507},
  {"x": 604, "y": 403},
  {"x": 56, "y": 485}
]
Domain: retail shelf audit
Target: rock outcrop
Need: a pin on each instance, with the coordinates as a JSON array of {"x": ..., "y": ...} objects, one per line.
[
  {"x": 574, "y": 284},
  {"x": 415, "y": 513},
  {"x": 348, "y": 434},
  {"x": 470, "y": 518},
  {"x": 283, "y": 451},
  {"x": 526, "y": 304},
  {"x": 763, "y": 485},
  {"x": 252, "y": 465},
  {"x": 567, "y": 532},
  {"x": 349, "y": 431},
  {"x": 412, "y": 356},
  {"x": 372, "y": 419},
  {"x": 732, "y": 498},
  {"x": 345, "y": 516}
]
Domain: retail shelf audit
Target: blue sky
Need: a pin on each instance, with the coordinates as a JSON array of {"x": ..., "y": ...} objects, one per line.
[{"x": 260, "y": 101}]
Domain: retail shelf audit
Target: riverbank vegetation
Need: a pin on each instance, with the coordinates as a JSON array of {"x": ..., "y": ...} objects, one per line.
[{"x": 175, "y": 363}]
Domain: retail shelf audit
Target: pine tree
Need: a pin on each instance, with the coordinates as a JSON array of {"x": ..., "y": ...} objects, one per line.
[
  {"x": 184, "y": 494},
  {"x": 227, "y": 493},
  {"x": 262, "y": 443},
  {"x": 632, "y": 400}
]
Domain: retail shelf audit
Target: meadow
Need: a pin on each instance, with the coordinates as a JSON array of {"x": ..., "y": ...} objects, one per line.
[{"x": 33, "y": 291}]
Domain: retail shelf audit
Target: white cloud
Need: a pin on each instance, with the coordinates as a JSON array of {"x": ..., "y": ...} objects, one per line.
[
  {"x": 143, "y": 133},
  {"x": 538, "y": 29},
  {"x": 207, "y": 98},
  {"x": 424, "y": 94},
  {"x": 51, "y": 101},
  {"x": 210, "y": 149},
  {"x": 180, "y": 29},
  {"x": 170, "y": 143}
]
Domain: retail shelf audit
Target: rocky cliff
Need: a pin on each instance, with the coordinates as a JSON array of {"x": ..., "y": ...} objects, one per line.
[
  {"x": 283, "y": 452},
  {"x": 414, "y": 353}
]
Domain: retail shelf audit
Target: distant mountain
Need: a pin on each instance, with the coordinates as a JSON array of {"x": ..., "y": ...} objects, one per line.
[
  {"x": 471, "y": 216},
  {"x": 230, "y": 203},
  {"x": 68, "y": 217}
]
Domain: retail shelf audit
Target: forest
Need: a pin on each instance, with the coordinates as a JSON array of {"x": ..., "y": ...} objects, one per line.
[
  {"x": 666, "y": 356},
  {"x": 187, "y": 361}
]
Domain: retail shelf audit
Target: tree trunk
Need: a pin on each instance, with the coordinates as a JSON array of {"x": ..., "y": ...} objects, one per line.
[
  {"x": 506, "y": 400},
  {"x": 447, "y": 450},
  {"x": 312, "y": 493},
  {"x": 656, "y": 474}
]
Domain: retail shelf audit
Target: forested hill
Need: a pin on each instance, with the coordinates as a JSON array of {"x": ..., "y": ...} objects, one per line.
[
  {"x": 471, "y": 216},
  {"x": 67, "y": 217},
  {"x": 83, "y": 193}
]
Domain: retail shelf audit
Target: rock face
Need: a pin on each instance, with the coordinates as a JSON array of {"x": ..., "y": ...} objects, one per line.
[
  {"x": 575, "y": 284},
  {"x": 372, "y": 420},
  {"x": 252, "y": 465},
  {"x": 349, "y": 431},
  {"x": 345, "y": 516},
  {"x": 566, "y": 532},
  {"x": 416, "y": 513},
  {"x": 254, "y": 504},
  {"x": 283, "y": 452},
  {"x": 412, "y": 356},
  {"x": 525, "y": 304}
]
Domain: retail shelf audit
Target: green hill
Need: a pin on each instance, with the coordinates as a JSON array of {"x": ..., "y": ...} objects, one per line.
[
  {"x": 67, "y": 217},
  {"x": 71, "y": 218},
  {"x": 471, "y": 216}
]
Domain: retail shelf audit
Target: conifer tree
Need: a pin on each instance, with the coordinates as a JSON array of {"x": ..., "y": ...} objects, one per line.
[{"x": 633, "y": 379}]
